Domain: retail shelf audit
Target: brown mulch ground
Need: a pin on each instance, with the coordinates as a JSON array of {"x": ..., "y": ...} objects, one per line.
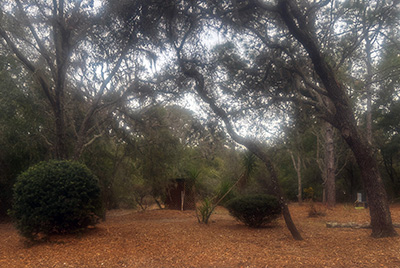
[{"x": 165, "y": 238}]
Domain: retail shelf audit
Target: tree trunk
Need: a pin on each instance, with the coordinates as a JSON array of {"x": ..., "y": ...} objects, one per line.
[
  {"x": 297, "y": 167},
  {"x": 368, "y": 87},
  {"x": 60, "y": 146},
  {"x": 61, "y": 43},
  {"x": 330, "y": 187},
  {"x": 256, "y": 150},
  {"x": 344, "y": 120},
  {"x": 250, "y": 145},
  {"x": 381, "y": 221},
  {"x": 253, "y": 147},
  {"x": 278, "y": 191}
]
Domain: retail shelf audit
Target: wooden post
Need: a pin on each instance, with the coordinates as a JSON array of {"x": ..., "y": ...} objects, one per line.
[{"x": 182, "y": 199}]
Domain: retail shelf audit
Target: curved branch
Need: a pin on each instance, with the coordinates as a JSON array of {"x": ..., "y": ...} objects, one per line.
[
  {"x": 252, "y": 146},
  {"x": 30, "y": 66},
  {"x": 43, "y": 50}
]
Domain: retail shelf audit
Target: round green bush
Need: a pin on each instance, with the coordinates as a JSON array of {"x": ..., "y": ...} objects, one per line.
[
  {"x": 55, "y": 197},
  {"x": 254, "y": 210}
]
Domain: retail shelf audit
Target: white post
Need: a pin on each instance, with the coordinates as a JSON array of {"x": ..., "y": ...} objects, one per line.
[{"x": 359, "y": 197}]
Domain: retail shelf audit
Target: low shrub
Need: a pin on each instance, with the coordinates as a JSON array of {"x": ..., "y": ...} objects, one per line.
[
  {"x": 55, "y": 197},
  {"x": 254, "y": 210},
  {"x": 205, "y": 210}
]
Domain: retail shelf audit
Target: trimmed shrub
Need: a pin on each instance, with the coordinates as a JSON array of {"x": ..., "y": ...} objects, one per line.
[
  {"x": 254, "y": 210},
  {"x": 55, "y": 197}
]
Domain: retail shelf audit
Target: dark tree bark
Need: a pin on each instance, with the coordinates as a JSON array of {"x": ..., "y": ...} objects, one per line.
[
  {"x": 62, "y": 51},
  {"x": 330, "y": 169},
  {"x": 343, "y": 119}
]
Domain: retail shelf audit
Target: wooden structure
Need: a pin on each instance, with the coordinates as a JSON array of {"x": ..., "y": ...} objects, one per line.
[{"x": 180, "y": 196}]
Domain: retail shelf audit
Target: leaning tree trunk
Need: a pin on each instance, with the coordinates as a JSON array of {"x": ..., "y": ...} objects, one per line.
[
  {"x": 253, "y": 147},
  {"x": 277, "y": 189},
  {"x": 343, "y": 119},
  {"x": 381, "y": 222}
]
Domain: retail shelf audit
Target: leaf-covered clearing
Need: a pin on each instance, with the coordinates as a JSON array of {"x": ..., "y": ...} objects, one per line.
[{"x": 166, "y": 238}]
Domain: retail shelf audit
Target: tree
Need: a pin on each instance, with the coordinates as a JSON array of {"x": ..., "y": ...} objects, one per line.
[
  {"x": 190, "y": 66},
  {"x": 255, "y": 149},
  {"x": 181, "y": 21},
  {"x": 58, "y": 44},
  {"x": 297, "y": 163},
  {"x": 324, "y": 91},
  {"x": 165, "y": 143},
  {"x": 297, "y": 156},
  {"x": 385, "y": 113},
  {"x": 343, "y": 118},
  {"x": 329, "y": 166},
  {"x": 280, "y": 55},
  {"x": 310, "y": 72},
  {"x": 370, "y": 23}
]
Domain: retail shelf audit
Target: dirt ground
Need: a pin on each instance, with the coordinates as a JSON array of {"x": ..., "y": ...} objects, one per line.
[{"x": 166, "y": 238}]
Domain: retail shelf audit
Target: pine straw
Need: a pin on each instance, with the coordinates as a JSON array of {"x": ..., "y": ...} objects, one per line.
[{"x": 165, "y": 238}]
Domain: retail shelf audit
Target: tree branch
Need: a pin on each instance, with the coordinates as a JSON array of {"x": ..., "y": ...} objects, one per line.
[
  {"x": 30, "y": 66},
  {"x": 252, "y": 146},
  {"x": 42, "y": 49}
]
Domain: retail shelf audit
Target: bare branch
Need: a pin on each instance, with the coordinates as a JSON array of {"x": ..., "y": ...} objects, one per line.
[
  {"x": 42, "y": 49},
  {"x": 95, "y": 137},
  {"x": 30, "y": 66}
]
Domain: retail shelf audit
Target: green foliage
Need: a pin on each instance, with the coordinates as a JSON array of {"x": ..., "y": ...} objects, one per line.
[
  {"x": 22, "y": 123},
  {"x": 254, "y": 210},
  {"x": 205, "y": 210},
  {"x": 162, "y": 143},
  {"x": 287, "y": 174},
  {"x": 387, "y": 138},
  {"x": 55, "y": 196},
  {"x": 160, "y": 152},
  {"x": 249, "y": 163},
  {"x": 223, "y": 193},
  {"x": 104, "y": 159}
]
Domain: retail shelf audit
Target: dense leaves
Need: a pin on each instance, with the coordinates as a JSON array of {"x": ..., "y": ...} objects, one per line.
[
  {"x": 55, "y": 196},
  {"x": 22, "y": 121},
  {"x": 254, "y": 210}
]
